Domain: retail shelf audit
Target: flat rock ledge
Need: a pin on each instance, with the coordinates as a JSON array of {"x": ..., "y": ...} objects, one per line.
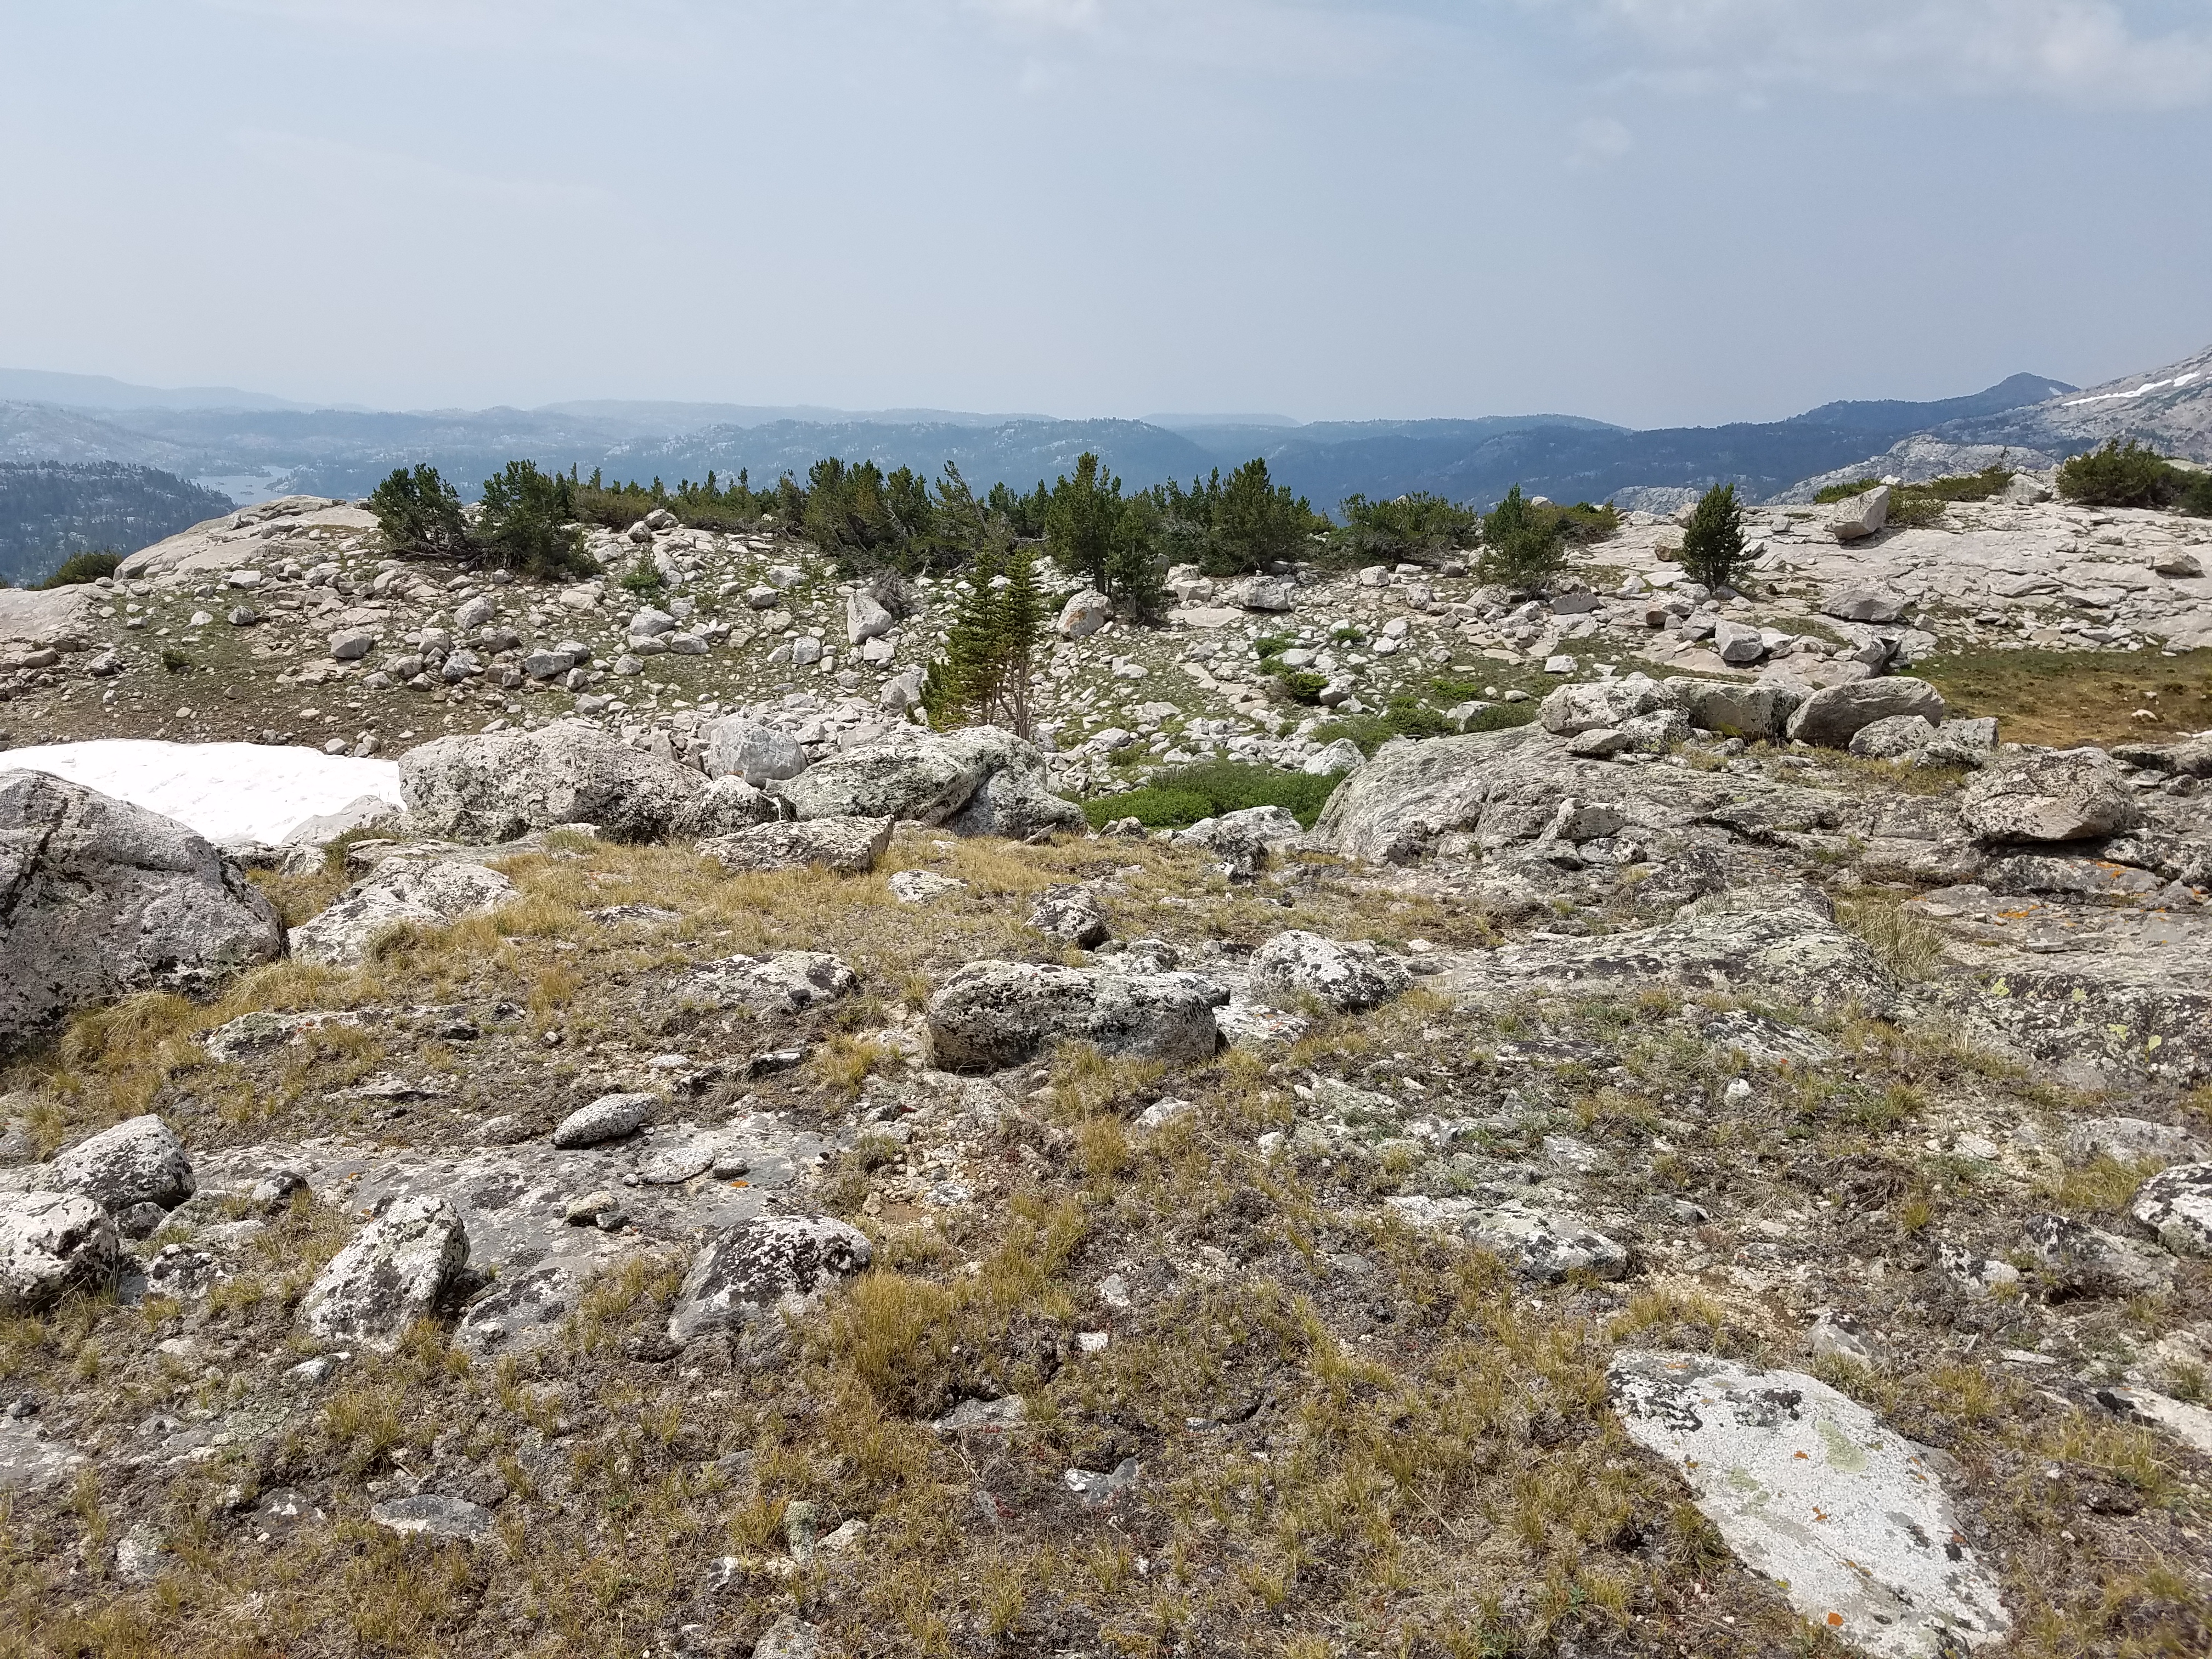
[{"x": 1809, "y": 1488}]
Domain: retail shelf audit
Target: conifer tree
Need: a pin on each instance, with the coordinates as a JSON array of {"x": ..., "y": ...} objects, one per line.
[{"x": 1712, "y": 546}]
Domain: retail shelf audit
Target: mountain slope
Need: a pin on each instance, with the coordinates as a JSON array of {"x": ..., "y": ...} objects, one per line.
[
  {"x": 50, "y": 510},
  {"x": 2169, "y": 408}
]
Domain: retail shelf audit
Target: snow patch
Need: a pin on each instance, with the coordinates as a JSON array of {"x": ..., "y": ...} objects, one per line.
[
  {"x": 227, "y": 791},
  {"x": 2147, "y": 386}
]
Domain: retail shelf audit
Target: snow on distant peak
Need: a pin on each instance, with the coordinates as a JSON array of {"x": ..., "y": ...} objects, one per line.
[{"x": 2147, "y": 386}]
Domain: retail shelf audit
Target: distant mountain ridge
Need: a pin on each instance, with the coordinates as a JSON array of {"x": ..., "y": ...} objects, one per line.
[
  {"x": 1567, "y": 457},
  {"x": 49, "y": 510}
]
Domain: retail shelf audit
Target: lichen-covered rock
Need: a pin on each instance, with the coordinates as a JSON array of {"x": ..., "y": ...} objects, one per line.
[
  {"x": 2133, "y": 1140},
  {"x": 99, "y": 899},
  {"x": 770, "y": 1262},
  {"x": 1810, "y": 1489},
  {"x": 784, "y": 982},
  {"x": 502, "y": 785},
  {"x": 1590, "y": 705},
  {"x": 1756, "y": 713},
  {"x": 724, "y": 806},
  {"x": 1294, "y": 967},
  {"x": 1537, "y": 1242},
  {"x": 1892, "y": 738},
  {"x": 2176, "y": 1204},
  {"x": 1244, "y": 840},
  {"x": 404, "y": 889},
  {"x": 978, "y": 780},
  {"x": 611, "y": 1117},
  {"x": 1072, "y": 913},
  {"x": 137, "y": 1161},
  {"x": 745, "y": 747},
  {"x": 2076, "y": 1259},
  {"x": 389, "y": 1275},
  {"x": 990, "y": 1015},
  {"x": 1084, "y": 615},
  {"x": 51, "y": 1243},
  {"x": 846, "y": 847},
  {"x": 2073, "y": 795},
  {"x": 1834, "y": 715}
]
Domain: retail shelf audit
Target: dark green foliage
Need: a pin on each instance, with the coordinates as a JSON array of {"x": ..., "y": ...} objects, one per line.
[
  {"x": 174, "y": 660},
  {"x": 1415, "y": 529},
  {"x": 849, "y": 515},
  {"x": 1177, "y": 799},
  {"x": 1303, "y": 683},
  {"x": 708, "y": 506},
  {"x": 1843, "y": 492},
  {"x": 1081, "y": 517},
  {"x": 1258, "y": 523},
  {"x": 1522, "y": 547},
  {"x": 1024, "y": 514},
  {"x": 990, "y": 652},
  {"x": 528, "y": 525},
  {"x": 1409, "y": 717},
  {"x": 643, "y": 578},
  {"x": 1581, "y": 522},
  {"x": 419, "y": 513},
  {"x": 1712, "y": 546},
  {"x": 2133, "y": 475},
  {"x": 81, "y": 567}
]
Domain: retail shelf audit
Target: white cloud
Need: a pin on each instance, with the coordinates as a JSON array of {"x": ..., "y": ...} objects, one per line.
[{"x": 2130, "y": 53}]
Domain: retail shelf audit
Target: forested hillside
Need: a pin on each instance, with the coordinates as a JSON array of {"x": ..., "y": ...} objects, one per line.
[{"x": 51, "y": 509}]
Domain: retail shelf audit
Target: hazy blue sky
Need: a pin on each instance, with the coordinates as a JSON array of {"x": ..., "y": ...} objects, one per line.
[{"x": 1654, "y": 211}]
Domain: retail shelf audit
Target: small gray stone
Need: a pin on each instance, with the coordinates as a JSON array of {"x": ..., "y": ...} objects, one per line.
[
  {"x": 1893, "y": 737},
  {"x": 845, "y": 846},
  {"x": 138, "y": 1161},
  {"x": 759, "y": 1266},
  {"x": 611, "y": 1117},
  {"x": 2176, "y": 1204},
  {"x": 1072, "y": 913},
  {"x": 388, "y": 1275},
  {"x": 1295, "y": 965},
  {"x": 430, "y": 1515},
  {"x": 50, "y": 1244}
]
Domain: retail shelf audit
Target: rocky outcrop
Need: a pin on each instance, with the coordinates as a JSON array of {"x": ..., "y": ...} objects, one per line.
[
  {"x": 389, "y": 1275},
  {"x": 51, "y": 1243},
  {"x": 1246, "y": 841},
  {"x": 2176, "y": 1205},
  {"x": 785, "y": 982},
  {"x": 978, "y": 781},
  {"x": 1814, "y": 1493},
  {"x": 760, "y": 1265},
  {"x": 1293, "y": 969},
  {"x": 99, "y": 899},
  {"x": 845, "y": 846},
  {"x": 503, "y": 785},
  {"x": 2073, "y": 795},
  {"x": 990, "y": 1015},
  {"x": 137, "y": 1161},
  {"x": 1834, "y": 715},
  {"x": 405, "y": 888},
  {"x": 745, "y": 747}
]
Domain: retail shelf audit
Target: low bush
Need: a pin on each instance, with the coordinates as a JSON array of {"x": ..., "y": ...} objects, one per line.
[
  {"x": 81, "y": 567},
  {"x": 1522, "y": 546},
  {"x": 2134, "y": 475},
  {"x": 1409, "y": 717},
  {"x": 1843, "y": 492},
  {"x": 1415, "y": 529},
  {"x": 1179, "y": 799}
]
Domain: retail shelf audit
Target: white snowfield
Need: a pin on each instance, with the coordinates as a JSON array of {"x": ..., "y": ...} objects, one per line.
[{"x": 228, "y": 792}]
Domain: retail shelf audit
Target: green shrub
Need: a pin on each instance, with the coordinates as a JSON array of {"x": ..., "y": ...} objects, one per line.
[
  {"x": 1409, "y": 717},
  {"x": 1415, "y": 529},
  {"x": 81, "y": 567},
  {"x": 420, "y": 513},
  {"x": 1522, "y": 547},
  {"x": 1177, "y": 799},
  {"x": 174, "y": 660},
  {"x": 644, "y": 577},
  {"x": 1581, "y": 522},
  {"x": 2132, "y": 475},
  {"x": 528, "y": 525},
  {"x": 1712, "y": 546},
  {"x": 1843, "y": 492},
  {"x": 1303, "y": 683}
]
